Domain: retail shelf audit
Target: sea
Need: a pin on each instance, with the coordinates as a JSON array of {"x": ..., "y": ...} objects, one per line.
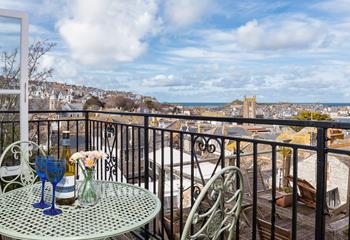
[
  {"x": 200, "y": 104},
  {"x": 222, "y": 104}
]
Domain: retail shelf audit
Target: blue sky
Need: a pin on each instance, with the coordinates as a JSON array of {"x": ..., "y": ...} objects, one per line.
[{"x": 199, "y": 50}]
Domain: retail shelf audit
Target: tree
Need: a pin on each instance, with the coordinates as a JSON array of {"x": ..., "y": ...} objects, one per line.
[
  {"x": 152, "y": 104},
  {"x": 10, "y": 75},
  {"x": 286, "y": 157},
  {"x": 93, "y": 103},
  {"x": 119, "y": 101},
  {"x": 37, "y": 50},
  {"x": 175, "y": 110},
  {"x": 10, "y": 71},
  {"x": 237, "y": 102},
  {"x": 310, "y": 115}
]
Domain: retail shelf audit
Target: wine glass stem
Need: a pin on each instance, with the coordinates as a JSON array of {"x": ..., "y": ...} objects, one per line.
[
  {"x": 53, "y": 196},
  {"x": 42, "y": 190}
]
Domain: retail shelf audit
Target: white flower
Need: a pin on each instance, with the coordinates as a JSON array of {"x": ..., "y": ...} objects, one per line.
[
  {"x": 96, "y": 154},
  {"x": 77, "y": 156},
  {"x": 92, "y": 155}
]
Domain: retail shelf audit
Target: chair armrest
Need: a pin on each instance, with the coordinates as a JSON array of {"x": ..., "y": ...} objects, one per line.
[{"x": 339, "y": 209}]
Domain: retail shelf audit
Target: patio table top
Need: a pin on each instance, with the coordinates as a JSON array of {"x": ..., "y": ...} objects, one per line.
[{"x": 122, "y": 208}]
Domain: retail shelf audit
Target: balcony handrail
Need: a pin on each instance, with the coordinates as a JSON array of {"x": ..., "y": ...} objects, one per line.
[
  {"x": 92, "y": 132},
  {"x": 282, "y": 122}
]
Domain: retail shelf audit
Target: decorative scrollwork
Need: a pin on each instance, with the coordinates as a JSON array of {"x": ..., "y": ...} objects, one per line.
[
  {"x": 206, "y": 145},
  {"x": 110, "y": 160},
  {"x": 223, "y": 197},
  {"x": 28, "y": 177},
  {"x": 24, "y": 172},
  {"x": 196, "y": 192},
  {"x": 110, "y": 167},
  {"x": 110, "y": 130}
]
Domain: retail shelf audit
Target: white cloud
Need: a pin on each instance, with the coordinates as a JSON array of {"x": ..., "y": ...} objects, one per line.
[
  {"x": 271, "y": 83},
  {"x": 52, "y": 8},
  {"x": 18, "y": 4},
  {"x": 108, "y": 31},
  {"x": 63, "y": 67},
  {"x": 269, "y": 39},
  {"x": 183, "y": 13},
  {"x": 274, "y": 34},
  {"x": 161, "y": 81},
  {"x": 201, "y": 53},
  {"x": 338, "y": 6}
]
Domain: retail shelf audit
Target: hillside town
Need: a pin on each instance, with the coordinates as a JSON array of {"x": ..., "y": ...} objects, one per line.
[
  {"x": 172, "y": 139},
  {"x": 58, "y": 96},
  {"x": 123, "y": 137},
  {"x": 61, "y": 96}
]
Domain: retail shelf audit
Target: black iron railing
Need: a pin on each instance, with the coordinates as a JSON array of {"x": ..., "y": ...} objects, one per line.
[{"x": 174, "y": 163}]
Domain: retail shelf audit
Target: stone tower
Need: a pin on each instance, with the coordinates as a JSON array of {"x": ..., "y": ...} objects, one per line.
[
  {"x": 249, "y": 107},
  {"x": 52, "y": 102}
]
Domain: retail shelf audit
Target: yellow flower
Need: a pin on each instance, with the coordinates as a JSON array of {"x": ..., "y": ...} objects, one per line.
[{"x": 89, "y": 163}]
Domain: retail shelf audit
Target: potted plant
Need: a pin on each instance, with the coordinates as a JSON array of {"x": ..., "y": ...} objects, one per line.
[
  {"x": 285, "y": 198},
  {"x": 176, "y": 221}
]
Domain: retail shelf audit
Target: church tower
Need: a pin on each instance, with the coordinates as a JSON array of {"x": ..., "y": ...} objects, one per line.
[
  {"x": 52, "y": 102},
  {"x": 249, "y": 107}
]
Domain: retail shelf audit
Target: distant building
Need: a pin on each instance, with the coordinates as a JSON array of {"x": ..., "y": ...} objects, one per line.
[
  {"x": 52, "y": 102},
  {"x": 73, "y": 107},
  {"x": 249, "y": 107}
]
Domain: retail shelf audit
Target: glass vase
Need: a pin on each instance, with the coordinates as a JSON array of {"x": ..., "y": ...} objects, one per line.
[{"x": 88, "y": 194}]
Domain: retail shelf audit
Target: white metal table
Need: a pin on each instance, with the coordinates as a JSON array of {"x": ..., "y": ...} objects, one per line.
[{"x": 122, "y": 208}]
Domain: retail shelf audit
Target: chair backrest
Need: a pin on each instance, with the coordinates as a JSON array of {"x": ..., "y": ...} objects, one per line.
[
  {"x": 306, "y": 192},
  {"x": 264, "y": 229},
  {"x": 250, "y": 180},
  {"x": 222, "y": 198},
  {"x": 22, "y": 174}
]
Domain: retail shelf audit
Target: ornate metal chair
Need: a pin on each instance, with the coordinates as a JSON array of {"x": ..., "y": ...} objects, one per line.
[
  {"x": 21, "y": 174},
  {"x": 223, "y": 194}
]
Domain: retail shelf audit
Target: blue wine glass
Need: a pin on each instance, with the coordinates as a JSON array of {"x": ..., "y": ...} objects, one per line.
[
  {"x": 40, "y": 168},
  {"x": 55, "y": 169}
]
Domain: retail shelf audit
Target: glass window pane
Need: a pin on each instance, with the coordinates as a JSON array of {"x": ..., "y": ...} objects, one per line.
[
  {"x": 10, "y": 42},
  {"x": 9, "y": 102}
]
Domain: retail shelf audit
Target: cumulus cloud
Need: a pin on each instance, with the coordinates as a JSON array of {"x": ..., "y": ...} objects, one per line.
[
  {"x": 290, "y": 82},
  {"x": 183, "y": 13},
  {"x": 109, "y": 31},
  {"x": 272, "y": 34},
  {"x": 161, "y": 81},
  {"x": 63, "y": 67},
  {"x": 18, "y": 4},
  {"x": 338, "y": 6}
]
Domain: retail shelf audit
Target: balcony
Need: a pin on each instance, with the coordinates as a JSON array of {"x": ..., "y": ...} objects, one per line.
[{"x": 174, "y": 162}]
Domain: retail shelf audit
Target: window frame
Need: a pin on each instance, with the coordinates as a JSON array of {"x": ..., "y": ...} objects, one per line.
[{"x": 23, "y": 90}]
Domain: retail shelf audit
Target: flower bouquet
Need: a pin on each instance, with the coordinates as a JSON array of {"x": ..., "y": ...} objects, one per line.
[{"x": 88, "y": 193}]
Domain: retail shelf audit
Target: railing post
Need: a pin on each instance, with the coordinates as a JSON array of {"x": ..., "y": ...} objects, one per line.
[
  {"x": 146, "y": 161},
  {"x": 321, "y": 184},
  {"x": 86, "y": 113}
]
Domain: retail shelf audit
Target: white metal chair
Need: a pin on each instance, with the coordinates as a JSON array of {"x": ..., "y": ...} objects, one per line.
[
  {"x": 223, "y": 193},
  {"x": 22, "y": 174}
]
